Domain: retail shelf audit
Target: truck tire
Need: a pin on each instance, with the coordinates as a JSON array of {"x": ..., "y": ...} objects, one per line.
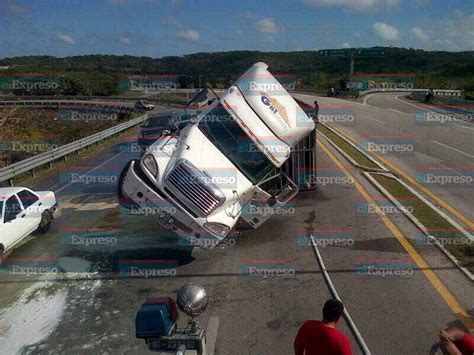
[{"x": 45, "y": 223}]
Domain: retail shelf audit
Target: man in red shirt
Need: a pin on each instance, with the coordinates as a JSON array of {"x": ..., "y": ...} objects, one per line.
[
  {"x": 455, "y": 341},
  {"x": 322, "y": 338}
]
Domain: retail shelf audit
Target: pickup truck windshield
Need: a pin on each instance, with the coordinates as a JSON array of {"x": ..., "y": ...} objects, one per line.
[{"x": 230, "y": 139}]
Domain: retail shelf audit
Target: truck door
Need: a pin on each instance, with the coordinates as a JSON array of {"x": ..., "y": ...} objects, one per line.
[{"x": 269, "y": 196}]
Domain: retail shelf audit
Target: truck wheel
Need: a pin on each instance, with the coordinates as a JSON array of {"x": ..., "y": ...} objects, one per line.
[{"x": 45, "y": 223}]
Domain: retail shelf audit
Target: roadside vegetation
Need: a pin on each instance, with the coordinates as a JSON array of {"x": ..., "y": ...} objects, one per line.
[
  {"x": 358, "y": 157},
  {"x": 29, "y": 131},
  {"x": 98, "y": 74}
]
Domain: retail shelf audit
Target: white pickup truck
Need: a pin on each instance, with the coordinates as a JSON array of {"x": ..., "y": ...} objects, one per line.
[
  {"x": 23, "y": 211},
  {"x": 223, "y": 165}
]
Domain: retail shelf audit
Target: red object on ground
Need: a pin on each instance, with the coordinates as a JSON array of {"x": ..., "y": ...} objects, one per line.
[
  {"x": 316, "y": 338},
  {"x": 465, "y": 345}
]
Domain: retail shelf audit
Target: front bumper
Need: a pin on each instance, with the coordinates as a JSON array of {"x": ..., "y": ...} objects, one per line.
[{"x": 151, "y": 201}]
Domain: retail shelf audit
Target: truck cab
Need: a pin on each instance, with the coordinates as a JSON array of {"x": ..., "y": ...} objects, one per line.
[{"x": 203, "y": 179}]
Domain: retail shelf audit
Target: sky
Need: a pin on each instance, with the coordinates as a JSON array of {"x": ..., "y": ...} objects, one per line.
[{"x": 158, "y": 28}]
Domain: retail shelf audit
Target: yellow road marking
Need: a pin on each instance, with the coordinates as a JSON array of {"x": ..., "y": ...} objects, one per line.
[
  {"x": 447, "y": 296},
  {"x": 396, "y": 170}
]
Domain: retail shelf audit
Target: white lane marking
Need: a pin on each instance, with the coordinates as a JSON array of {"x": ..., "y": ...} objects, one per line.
[
  {"x": 406, "y": 102},
  {"x": 88, "y": 172},
  {"x": 427, "y": 109},
  {"x": 463, "y": 127},
  {"x": 454, "y": 149},
  {"x": 397, "y": 111},
  {"x": 332, "y": 290},
  {"x": 211, "y": 334},
  {"x": 373, "y": 119},
  {"x": 366, "y": 98}
]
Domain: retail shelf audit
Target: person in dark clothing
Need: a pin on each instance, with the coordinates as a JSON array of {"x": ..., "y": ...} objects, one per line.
[
  {"x": 316, "y": 112},
  {"x": 321, "y": 337},
  {"x": 429, "y": 96}
]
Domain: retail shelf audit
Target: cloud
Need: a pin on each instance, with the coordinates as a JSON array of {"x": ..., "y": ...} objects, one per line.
[
  {"x": 188, "y": 35},
  {"x": 419, "y": 34},
  {"x": 16, "y": 10},
  {"x": 346, "y": 45},
  {"x": 172, "y": 21},
  {"x": 267, "y": 25},
  {"x": 238, "y": 32},
  {"x": 356, "y": 5},
  {"x": 457, "y": 32},
  {"x": 385, "y": 31},
  {"x": 65, "y": 38},
  {"x": 247, "y": 15},
  {"x": 125, "y": 40}
]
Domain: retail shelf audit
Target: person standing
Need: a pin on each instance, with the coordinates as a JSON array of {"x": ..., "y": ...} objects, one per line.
[
  {"x": 316, "y": 112},
  {"x": 322, "y": 337}
]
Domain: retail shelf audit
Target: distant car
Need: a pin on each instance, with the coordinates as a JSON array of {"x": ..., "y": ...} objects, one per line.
[
  {"x": 144, "y": 105},
  {"x": 23, "y": 211}
]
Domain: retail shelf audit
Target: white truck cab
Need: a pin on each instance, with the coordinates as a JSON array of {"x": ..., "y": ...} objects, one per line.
[
  {"x": 204, "y": 178},
  {"x": 23, "y": 211}
]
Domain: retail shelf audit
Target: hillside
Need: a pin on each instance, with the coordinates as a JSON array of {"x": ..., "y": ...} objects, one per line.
[{"x": 433, "y": 68}]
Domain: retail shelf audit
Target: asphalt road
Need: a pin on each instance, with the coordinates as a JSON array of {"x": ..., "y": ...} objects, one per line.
[
  {"x": 89, "y": 307},
  {"x": 438, "y": 154}
]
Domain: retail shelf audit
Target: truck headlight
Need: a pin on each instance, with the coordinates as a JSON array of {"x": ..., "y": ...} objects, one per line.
[
  {"x": 150, "y": 164},
  {"x": 218, "y": 229}
]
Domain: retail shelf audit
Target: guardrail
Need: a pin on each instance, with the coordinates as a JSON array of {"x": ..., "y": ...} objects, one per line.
[
  {"x": 68, "y": 104},
  {"x": 117, "y": 102},
  {"x": 447, "y": 102},
  {"x": 9, "y": 172},
  {"x": 438, "y": 92}
]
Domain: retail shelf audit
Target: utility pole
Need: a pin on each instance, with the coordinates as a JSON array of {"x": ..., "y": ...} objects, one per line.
[{"x": 352, "y": 62}]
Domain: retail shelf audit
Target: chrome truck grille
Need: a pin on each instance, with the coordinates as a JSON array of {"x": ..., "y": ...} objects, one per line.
[{"x": 194, "y": 188}]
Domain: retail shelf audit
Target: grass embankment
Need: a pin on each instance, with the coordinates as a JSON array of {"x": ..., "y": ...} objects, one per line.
[
  {"x": 358, "y": 157},
  {"x": 448, "y": 235},
  {"x": 26, "y": 132}
]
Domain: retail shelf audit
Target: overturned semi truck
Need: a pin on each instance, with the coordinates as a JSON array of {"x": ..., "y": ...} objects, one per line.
[{"x": 223, "y": 165}]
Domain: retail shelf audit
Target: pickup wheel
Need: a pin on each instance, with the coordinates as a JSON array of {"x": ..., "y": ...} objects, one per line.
[{"x": 45, "y": 223}]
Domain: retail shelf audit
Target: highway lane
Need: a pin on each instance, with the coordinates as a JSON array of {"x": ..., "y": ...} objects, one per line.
[
  {"x": 92, "y": 310},
  {"x": 439, "y": 155}
]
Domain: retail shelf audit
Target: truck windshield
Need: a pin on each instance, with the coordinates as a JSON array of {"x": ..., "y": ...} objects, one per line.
[{"x": 233, "y": 142}]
